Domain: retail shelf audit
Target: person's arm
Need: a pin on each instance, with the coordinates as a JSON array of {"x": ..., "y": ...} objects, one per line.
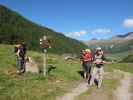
[
  {"x": 104, "y": 59},
  {"x": 17, "y": 53},
  {"x": 81, "y": 60},
  {"x": 92, "y": 58}
]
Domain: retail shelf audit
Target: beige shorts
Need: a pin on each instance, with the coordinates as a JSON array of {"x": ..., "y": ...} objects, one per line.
[{"x": 97, "y": 73}]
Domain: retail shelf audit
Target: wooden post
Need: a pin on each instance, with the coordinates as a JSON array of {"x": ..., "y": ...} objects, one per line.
[
  {"x": 44, "y": 44},
  {"x": 45, "y": 62}
]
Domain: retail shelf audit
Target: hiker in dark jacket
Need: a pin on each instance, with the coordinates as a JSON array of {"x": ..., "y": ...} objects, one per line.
[{"x": 20, "y": 51}]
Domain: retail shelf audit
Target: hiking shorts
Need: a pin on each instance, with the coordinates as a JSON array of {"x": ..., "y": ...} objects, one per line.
[
  {"x": 98, "y": 71},
  {"x": 87, "y": 67},
  {"x": 97, "y": 74}
]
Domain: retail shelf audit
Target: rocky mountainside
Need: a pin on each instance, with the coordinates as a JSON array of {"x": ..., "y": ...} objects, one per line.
[{"x": 119, "y": 43}]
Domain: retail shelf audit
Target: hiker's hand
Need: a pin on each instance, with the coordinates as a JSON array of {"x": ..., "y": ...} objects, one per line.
[
  {"x": 94, "y": 62},
  {"x": 103, "y": 62},
  {"x": 50, "y": 46},
  {"x": 81, "y": 62},
  {"x": 17, "y": 54}
]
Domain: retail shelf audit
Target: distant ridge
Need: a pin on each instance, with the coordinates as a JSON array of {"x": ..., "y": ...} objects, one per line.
[
  {"x": 116, "y": 44},
  {"x": 130, "y": 34}
]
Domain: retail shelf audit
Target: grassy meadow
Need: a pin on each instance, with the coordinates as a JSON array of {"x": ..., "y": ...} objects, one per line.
[
  {"x": 59, "y": 80},
  {"x": 36, "y": 86}
]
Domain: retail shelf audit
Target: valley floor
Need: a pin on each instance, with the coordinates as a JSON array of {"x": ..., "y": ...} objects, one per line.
[{"x": 62, "y": 82}]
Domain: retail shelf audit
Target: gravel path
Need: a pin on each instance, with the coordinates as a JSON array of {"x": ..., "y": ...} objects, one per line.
[
  {"x": 81, "y": 88},
  {"x": 123, "y": 91}
]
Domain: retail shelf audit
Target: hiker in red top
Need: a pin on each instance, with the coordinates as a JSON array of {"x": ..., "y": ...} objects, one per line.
[{"x": 86, "y": 61}]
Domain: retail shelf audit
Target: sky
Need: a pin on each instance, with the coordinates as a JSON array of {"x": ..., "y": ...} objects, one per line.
[{"x": 79, "y": 19}]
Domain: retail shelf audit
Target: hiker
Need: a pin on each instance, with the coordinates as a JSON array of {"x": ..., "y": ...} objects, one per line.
[
  {"x": 86, "y": 61},
  {"x": 20, "y": 51},
  {"x": 98, "y": 71}
]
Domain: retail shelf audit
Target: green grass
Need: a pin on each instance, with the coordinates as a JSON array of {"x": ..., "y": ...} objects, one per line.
[
  {"x": 127, "y": 67},
  {"x": 32, "y": 86},
  {"x": 110, "y": 85},
  {"x": 37, "y": 87},
  {"x": 128, "y": 58},
  {"x": 131, "y": 89},
  {"x": 118, "y": 56}
]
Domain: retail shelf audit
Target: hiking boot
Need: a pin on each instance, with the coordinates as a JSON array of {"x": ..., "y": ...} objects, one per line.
[
  {"x": 88, "y": 81},
  {"x": 98, "y": 86},
  {"x": 22, "y": 71},
  {"x": 18, "y": 72}
]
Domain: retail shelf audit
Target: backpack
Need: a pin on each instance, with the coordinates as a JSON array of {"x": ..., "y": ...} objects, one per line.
[
  {"x": 15, "y": 49},
  {"x": 21, "y": 52}
]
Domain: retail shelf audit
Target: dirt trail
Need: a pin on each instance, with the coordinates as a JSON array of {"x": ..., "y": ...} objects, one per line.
[
  {"x": 123, "y": 91},
  {"x": 83, "y": 87}
]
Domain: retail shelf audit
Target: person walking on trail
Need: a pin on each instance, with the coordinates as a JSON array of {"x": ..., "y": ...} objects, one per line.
[
  {"x": 20, "y": 51},
  {"x": 86, "y": 61},
  {"x": 98, "y": 71}
]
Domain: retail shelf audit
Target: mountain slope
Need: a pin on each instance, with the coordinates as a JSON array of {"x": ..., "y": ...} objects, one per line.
[
  {"x": 117, "y": 44},
  {"x": 14, "y": 27},
  {"x": 127, "y": 36},
  {"x": 128, "y": 59}
]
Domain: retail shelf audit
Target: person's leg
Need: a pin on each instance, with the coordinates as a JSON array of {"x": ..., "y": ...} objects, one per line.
[
  {"x": 85, "y": 70},
  {"x": 100, "y": 77},
  {"x": 88, "y": 78},
  {"x": 89, "y": 72},
  {"x": 18, "y": 65},
  {"x": 85, "y": 75},
  {"x": 94, "y": 73},
  {"x": 22, "y": 65}
]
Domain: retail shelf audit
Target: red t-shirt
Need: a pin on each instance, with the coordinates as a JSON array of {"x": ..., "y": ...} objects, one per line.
[{"x": 87, "y": 57}]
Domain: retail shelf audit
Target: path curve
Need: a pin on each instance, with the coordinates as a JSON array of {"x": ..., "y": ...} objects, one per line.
[
  {"x": 123, "y": 91},
  {"x": 82, "y": 87}
]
